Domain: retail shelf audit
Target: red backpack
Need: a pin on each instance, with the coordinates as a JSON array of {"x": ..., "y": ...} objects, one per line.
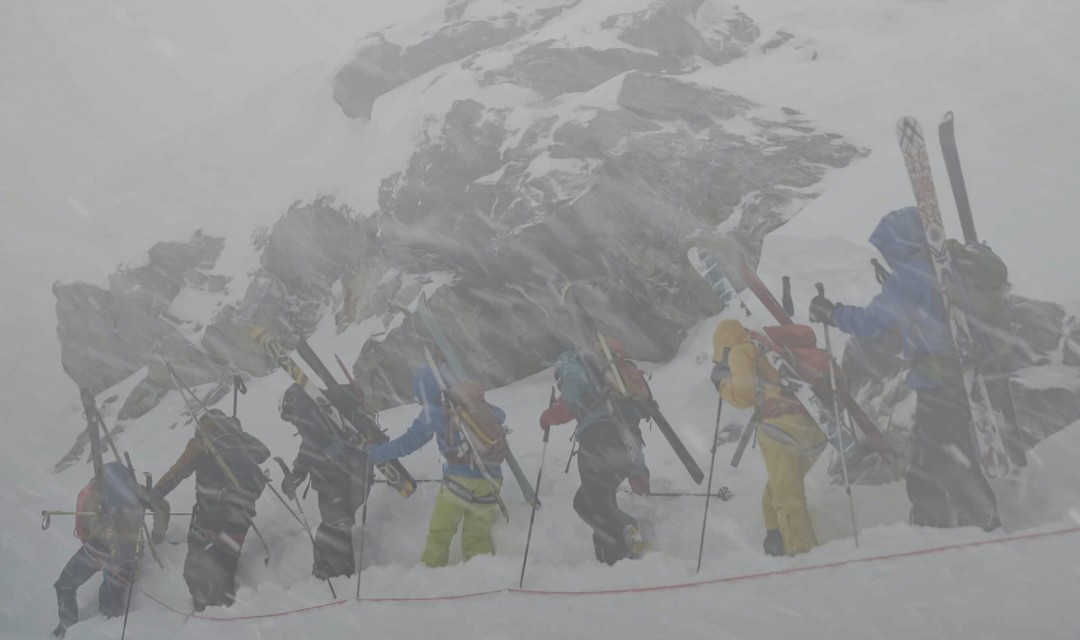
[
  {"x": 797, "y": 343},
  {"x": 82, "y": 522}
]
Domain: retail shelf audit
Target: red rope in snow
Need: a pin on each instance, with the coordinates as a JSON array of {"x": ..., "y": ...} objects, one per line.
[
  {"x": 276, "y": 614},
  {"x": 793, "y": 570},
  {"x": 460, "y": 596},
  {"x": 666, "y": 587}
]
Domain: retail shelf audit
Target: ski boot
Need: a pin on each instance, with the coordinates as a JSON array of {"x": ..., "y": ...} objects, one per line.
[
  {"x": 635, "y": 542},
  {"x": 774, "y": 544}
]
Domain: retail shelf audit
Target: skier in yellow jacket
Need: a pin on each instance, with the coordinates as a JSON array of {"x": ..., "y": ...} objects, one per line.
[{"x": 790, "y": 440}]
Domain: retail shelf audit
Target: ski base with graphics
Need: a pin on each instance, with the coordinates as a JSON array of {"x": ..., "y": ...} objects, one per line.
[{"x": 986, "y": 420}]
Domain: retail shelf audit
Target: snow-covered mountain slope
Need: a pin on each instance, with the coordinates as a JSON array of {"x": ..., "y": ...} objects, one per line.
[{"x": 1004, "y": 66}]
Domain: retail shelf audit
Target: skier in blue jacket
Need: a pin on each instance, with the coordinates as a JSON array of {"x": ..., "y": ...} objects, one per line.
[
  {"x": 466, "y": 498},
  {"x": 945, "y": 482}
]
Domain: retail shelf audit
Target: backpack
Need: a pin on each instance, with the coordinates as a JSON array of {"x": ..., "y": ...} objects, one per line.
[
  {"x": 980, "y": 294},
  {"x": 798, "y": 343},
  {"x": 114, "y": 495},
  {"x": 471, "y": 412}
]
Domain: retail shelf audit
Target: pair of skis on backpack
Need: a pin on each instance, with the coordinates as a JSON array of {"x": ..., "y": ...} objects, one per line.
[
  {"x": 987, "y": 421},
  {"x": 794, "y": 355}
]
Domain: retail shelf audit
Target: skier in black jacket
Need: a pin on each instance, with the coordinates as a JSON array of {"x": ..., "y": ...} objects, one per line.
[
  {"x": 331, "y": 456},
  {"x": 223, "y": 512}
]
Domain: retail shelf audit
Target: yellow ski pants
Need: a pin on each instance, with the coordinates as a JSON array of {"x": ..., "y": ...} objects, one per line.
[
  {"x": 784, "y": 499},
  {"x": 475, "y": 519}
]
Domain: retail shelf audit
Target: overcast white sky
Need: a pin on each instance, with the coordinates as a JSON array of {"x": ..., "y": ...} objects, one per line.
[
  {"x": 88, "y": 85},
  {"x": 85, "y": 85}
]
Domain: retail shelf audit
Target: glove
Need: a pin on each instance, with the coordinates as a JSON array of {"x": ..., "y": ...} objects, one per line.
[
  {"x": 557, "y": 413},
  {"x": 721, "y": 371},
  {"x": 639, "y": 485},
  {"x": 822, "y": 310},
  {"x": 290, "y": 483}
]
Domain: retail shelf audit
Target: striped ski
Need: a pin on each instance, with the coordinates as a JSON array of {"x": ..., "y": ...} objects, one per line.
[{"x": 986, "y": 421}]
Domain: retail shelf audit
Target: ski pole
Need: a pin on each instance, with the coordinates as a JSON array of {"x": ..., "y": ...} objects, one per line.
[
  {"x": 532, "y": 516},
  {"x": 382, "y": 481},
  {"x": 307, "y": 527},
  {"x": 708, "y": 491},
  {"x": 363, "y": 535},
  {"x": 238, "y": 388},
  {"x": 836, "y": 418},
  {"x": 723, "y": 494},
  {"x": 131, "y": 588},
  {"x": 46, "y": 516},
  {"x": 573, "y": 452}
]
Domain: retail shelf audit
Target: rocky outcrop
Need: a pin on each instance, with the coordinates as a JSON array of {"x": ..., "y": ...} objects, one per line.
[
  {"x": 107, "y": 335},
  {"x": 575, "y": 147},
  {"x": 381, "y": 65}
]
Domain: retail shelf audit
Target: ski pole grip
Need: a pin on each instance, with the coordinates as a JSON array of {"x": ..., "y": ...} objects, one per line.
[
  {"x": 46, "y": 520},
  {"x": 284, "y": 467}
]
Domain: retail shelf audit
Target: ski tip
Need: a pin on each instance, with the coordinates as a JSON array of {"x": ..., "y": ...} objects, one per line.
[
  {"x": 947, "y": 118},
  {"x": 909, "y": 133}
]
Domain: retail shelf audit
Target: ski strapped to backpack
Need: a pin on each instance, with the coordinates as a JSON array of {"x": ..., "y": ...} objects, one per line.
[
  {"x": 96, "y": 426},
  {"x": 394, "y": 471},
  {"x": 457, "y": 370},
  {"x": 982, "y": 297},
  {"x": 804, "y": 369},
  {"x": 871, "y": 433},
  {"x": 987, "y": 422},
  {"x": 462, "y": 421},
  {"x": 630, "y": 384}
]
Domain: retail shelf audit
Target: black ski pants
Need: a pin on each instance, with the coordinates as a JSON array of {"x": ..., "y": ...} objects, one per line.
[
  {"x": 338, "y": 503},
  {"x": 945, "y": 483},
  {"x": 112, "y": 595},
  {"x": 603, "y": 464},
  {"x": 212, "y": 558}
]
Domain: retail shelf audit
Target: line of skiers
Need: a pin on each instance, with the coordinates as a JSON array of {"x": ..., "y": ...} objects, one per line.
[{"x": 945, "y": 487}]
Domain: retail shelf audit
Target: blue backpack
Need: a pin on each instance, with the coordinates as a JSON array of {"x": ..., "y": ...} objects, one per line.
[{"x": 118, "y": 494}]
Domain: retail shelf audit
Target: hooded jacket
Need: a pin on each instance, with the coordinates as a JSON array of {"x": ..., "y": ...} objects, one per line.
[
  {"x": 755, "y": 383},
  {"x": 433, "y": 421},
  {"x": 909, "y": 300}
]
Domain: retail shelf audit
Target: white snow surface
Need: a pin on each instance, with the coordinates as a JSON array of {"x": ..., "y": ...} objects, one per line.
[{"x": 1007, "y": 67}]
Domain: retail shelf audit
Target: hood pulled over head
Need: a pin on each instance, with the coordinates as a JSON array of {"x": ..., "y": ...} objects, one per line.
[{"x": 899, "y": 236}]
